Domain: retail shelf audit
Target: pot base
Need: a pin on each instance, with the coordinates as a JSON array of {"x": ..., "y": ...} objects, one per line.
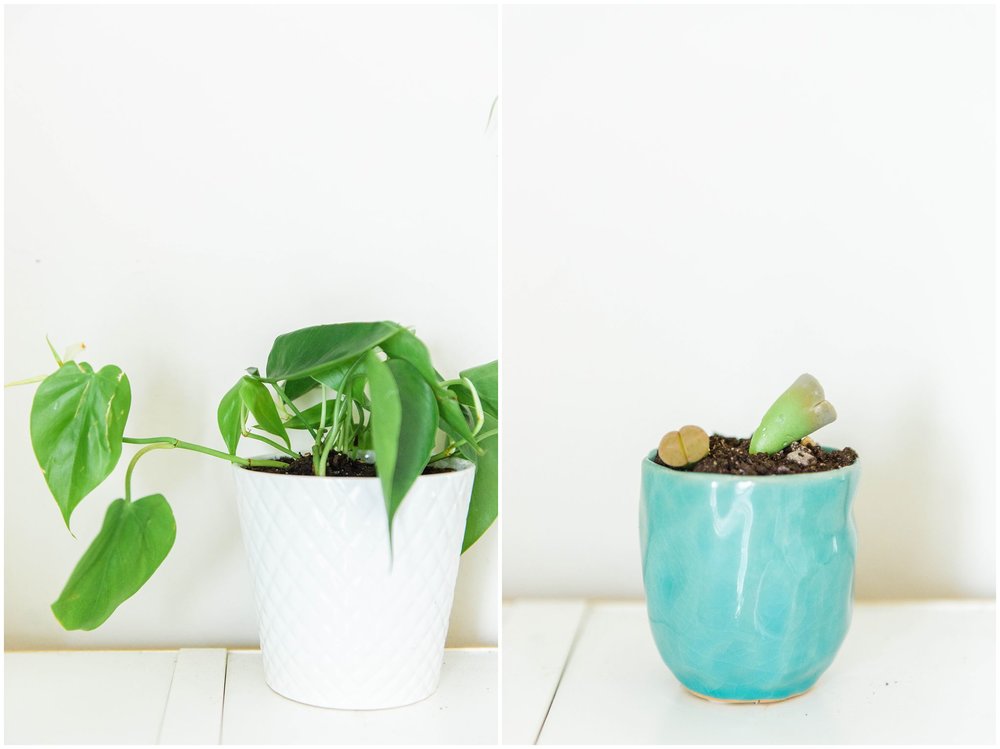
[
  {"x": 353, "y": 706},
  {"x": 746, "y": 702}
]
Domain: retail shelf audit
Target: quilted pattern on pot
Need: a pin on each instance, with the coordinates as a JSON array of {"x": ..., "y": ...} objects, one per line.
[{"x": 343, "y": 621}]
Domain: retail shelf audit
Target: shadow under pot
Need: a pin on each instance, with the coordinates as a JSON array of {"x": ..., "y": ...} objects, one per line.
[
  {"x": 749, "y": 579},
  {"x": 344, "y": 622}
]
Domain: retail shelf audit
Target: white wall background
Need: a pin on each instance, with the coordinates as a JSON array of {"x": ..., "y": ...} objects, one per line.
[
  {"x": 185, "y": 183},
  {"x": 699, "y": 204}
]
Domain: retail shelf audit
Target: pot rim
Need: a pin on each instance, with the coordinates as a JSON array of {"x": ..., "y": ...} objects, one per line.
[
  {"x": 461, "y": 465},
  {"x": 812, "y": 477}
]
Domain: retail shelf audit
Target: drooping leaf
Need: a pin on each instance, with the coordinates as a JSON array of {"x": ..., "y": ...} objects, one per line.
[
  {"x": 483, "y": 505},
  {"x": 308, "y": 351},
  {"x": 77, "y": 422},
  {"x": 404, "y": 423},
  {"x": 257, "y": 398},
  {"x": 405, "y": 345},
  {"x": 485, "y": 377},
  {"x": 232, "y": 417},
  {"x": 134, "y": 539}
]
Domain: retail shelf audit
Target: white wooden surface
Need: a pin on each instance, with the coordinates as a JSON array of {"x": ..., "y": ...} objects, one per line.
[
  {"x": 74, "y": 697},
  {"x": 537, "y": 637},
  {"x": 907, "y": 673},
  {"x": 193, "y": 713},
  {"x": 212, "y": 696},
  {"x": 462, "y": 711}
]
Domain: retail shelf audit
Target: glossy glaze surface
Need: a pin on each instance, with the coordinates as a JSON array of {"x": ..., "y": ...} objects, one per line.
[{"x": 748, "y": 580}]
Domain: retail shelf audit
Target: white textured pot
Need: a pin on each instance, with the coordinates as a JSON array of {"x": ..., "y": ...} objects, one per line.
[{"x": 342, "y": 623}]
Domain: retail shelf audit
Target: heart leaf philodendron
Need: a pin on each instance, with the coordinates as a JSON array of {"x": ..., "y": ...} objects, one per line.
[{"x": 378, "y": 389}]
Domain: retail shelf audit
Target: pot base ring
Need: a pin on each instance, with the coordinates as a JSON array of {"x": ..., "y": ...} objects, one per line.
[{"x": 745, "y": 702}]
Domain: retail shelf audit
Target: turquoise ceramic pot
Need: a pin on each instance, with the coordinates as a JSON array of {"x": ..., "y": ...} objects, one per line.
[{"x": 749, "y": 579}]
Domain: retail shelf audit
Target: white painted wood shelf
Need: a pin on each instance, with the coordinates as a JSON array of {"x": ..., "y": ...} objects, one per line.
[
  {"x": 579, "y": 672},
  {"x": 215, "y": 696}
]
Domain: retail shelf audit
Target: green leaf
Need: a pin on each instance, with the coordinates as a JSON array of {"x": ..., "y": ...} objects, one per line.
[
  {"x": 134, "y": 539},
  {"x": 485, "y": 378},
  {"x": 405, "y": 345},
  {"x": 799, "y": 411},
  {"x": 333, "y": 377},
  {"x": 77, "y": 422},
  {"x": 297, "y": 388},
  {"x": 483, "y": 505},
  {"x": 232, "y": 417},
  {"x": 311, "y": 416},
  {"x": 453, "y": 421},
  {"x": 258, "y": 401},
  {"x": 309, "y": 351},
  {"x": 404, "y": 423}
]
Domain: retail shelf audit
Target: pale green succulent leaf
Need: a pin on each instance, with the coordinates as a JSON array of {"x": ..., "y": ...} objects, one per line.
[{"x": 798, "y": 412}]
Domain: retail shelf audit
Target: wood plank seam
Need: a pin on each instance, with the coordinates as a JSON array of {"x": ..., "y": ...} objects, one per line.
[
  {"x": 222, "y": 715},
  {"x": 580, "y": 625},
  {"x": 166, "y": 702},
  {"x": 193, "y": 710}
]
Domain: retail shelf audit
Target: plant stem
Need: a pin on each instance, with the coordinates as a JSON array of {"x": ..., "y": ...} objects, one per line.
[
  {"x": 324, "y": 456},
  {"x": 286, "y": 399},
  {"x": 337, "y": 426},
  {"x": 53, "y": 350},
  {"x": 174, "y": 442},
  {"x": 27, "y": 381},
  {"x": 135, "y": 459},
  {"x": 322, "y": 431},
  {"x": 477, "y": 403},
  {"x": 272, "y": 443},
  {"x": 450, "y": 450}
]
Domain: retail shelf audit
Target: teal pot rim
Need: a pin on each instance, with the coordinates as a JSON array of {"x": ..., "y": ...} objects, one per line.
[{"x": 815, "y": 477}]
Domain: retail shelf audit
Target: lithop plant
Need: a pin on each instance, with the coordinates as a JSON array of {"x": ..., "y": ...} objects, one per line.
[
  {"x": 799, "y": 411},
  {"x": 378, "y": 390}
]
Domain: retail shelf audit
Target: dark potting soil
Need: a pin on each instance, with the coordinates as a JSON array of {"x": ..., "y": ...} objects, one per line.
[
  {"x": 731, "y": 455},
  {"x": 337, "y": 464}
]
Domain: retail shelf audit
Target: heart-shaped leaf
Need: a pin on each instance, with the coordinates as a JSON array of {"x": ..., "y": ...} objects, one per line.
[
  {"x": 134, "y": 539},
  {"x": 404, "y": 423},
  {"x": 77, "y": 422},
  {"x": 308, "y": 351}
]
